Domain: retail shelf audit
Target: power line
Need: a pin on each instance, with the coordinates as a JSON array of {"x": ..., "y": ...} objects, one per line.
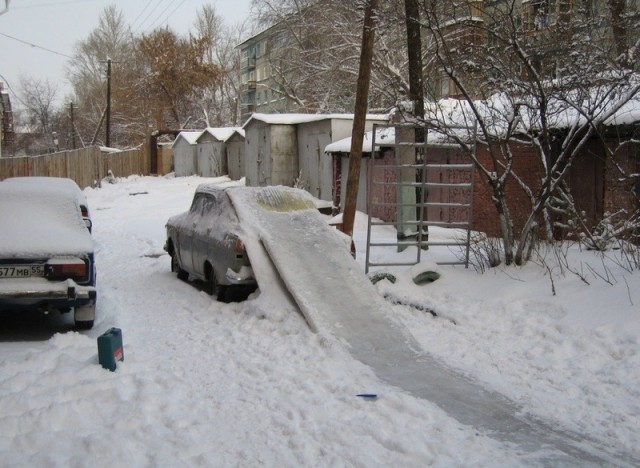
[
  {"x": 175, "y": 9},
  {"x": 133, "y": 24},
  {"x": 36, "y": 46},
  {"x": 141, "y": 27},
  {"x": 162, "y": 13}
]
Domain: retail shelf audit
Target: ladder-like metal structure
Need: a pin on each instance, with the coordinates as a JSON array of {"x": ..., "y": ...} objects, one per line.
[{"x": 422, "y": 166}]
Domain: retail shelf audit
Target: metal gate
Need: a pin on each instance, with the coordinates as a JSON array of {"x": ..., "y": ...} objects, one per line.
[{"x": 430, "y": 190}]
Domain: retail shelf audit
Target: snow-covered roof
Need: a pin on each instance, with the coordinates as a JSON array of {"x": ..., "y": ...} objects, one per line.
[
  {"x": 294, "y": 119},
  {"x": 219, "y": 133},
  {"x": 609, "y": 105},
  {"x": 190, "y": 137},
  {"x": 497, "y": 112},
  {"x": 383, "y": 135},
  {"x": 239, "y": 130}
]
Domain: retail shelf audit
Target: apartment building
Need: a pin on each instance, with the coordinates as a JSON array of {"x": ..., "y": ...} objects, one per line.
[{"x": 259, "y": 91}]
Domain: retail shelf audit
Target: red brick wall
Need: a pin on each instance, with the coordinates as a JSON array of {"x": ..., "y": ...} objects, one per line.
[
  {"x": 384, "y": 191},
  {"x": 618, "y": 194},
  {"x": 527, "y": 166},
  {"x": 593, "y": 179}
]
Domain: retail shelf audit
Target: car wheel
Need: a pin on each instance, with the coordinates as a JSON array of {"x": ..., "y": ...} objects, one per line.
[
  {"x": 222, "y": 293},
  {"x": 211, "y": 285},
  {"x": 84, "y": 316},
  {"x": 175, "y": 268}
]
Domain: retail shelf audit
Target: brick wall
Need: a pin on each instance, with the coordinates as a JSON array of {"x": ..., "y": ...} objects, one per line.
[
  {"x": 528, "y": 168},
  {"x": 618, "y": 194}
]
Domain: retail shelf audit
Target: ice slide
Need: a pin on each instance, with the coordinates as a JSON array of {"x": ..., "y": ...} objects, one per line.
[{"x": 294, "y": 255}]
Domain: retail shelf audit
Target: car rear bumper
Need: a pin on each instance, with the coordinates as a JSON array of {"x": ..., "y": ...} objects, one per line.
[
  {"x": 40, "y": 293},
  {"x": 244, "y": 276}
]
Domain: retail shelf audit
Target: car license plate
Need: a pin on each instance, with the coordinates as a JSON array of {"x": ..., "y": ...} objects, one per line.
[{"x": 21, "y": 271}]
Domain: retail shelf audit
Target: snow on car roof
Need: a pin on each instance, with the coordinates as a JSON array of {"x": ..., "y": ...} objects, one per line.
[
  {"x": 49, "y": 183},
  {"x": 40, "y": 221}
]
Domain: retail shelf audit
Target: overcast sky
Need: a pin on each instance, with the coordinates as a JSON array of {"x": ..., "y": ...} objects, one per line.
[{"x": 37, "y": 37}]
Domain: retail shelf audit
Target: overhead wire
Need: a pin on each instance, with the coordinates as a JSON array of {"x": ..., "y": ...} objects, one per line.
[
  {"x": 145, "y": 24},
  {"x": 135, "y": 21},
  {"x": 36, "y": 46},
  {"x": 161, "y": 15}
]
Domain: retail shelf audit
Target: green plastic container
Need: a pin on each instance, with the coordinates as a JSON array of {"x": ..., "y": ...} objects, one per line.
[{"x": 110, "y": 349}]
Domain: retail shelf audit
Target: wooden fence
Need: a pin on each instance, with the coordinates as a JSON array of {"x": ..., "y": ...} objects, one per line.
[{"x": 87, "y": 166}]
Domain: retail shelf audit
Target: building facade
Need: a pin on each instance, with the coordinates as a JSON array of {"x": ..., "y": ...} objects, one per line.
[{"x": 259, "y": 91}]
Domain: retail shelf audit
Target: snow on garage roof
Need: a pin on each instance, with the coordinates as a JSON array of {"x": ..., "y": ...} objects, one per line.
[
  {"x": 383, "y": 135},
  {"x": 190, "y": 137},
  {"x": 219, "y": 133},
  {"x": 294, "y": 119}
]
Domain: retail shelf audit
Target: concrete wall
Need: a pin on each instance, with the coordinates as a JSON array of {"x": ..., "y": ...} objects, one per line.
[
  {"x": 284, "y": 155},
  {"x": 257, "y": 164},
  {"x": 314, "y": 164}
]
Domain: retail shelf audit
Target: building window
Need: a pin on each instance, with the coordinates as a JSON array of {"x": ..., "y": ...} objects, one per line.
[{"x": 537, "y": 14}]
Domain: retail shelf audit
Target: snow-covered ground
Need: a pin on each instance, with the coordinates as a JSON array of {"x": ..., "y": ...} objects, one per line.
[{"x": 248, "y": 384}]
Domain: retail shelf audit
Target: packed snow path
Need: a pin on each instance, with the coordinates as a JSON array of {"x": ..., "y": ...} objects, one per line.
[{"x": 335, "y": 296}]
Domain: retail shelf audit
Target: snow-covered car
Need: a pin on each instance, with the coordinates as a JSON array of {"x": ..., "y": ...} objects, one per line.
[
  {"x": 46, "y": 252},
  {"x": 59, "y": 183},
  {"x": 206, "y": 242}
]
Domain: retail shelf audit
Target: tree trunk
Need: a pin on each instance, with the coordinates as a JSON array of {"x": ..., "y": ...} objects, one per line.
[
  {"x": 360, "y": 116},
  {"x": 619, "y": 30}
]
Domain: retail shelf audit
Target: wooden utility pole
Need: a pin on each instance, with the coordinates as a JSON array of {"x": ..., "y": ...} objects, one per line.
[
  {"x": 414, "y": 48},
  {"x": 107, "y": 141},
  {"x": 416, "y": 86},
  {"x": 360, "y": 115},
  {"x": 73, "y": 126},
  {"x": 107, "y": 115}
]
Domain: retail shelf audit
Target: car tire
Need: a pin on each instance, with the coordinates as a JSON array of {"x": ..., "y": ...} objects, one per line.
[
  {"x": 222, "y": 293},
  {"x": 84, "y": 316},
  {"x": 175, "y": 268},
  {"x": 211, "y": 286}
]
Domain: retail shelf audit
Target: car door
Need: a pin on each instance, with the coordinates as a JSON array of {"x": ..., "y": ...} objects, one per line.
[
  {"x": 203, "y": 233},
  {"x": 187, "y": 233}
]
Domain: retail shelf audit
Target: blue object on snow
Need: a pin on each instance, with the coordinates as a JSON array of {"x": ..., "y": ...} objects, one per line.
[
  {"x": 110, "y": 348},
  {"x": 368, "y": 396}
]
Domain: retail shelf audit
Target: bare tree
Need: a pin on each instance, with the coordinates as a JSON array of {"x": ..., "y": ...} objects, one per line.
[
  {"x": 315, "y": 49},
  {"x": 112, "y": 39},
  {"x": 537, "y": 78},
  {"x": 219, "y": 101},
  {"x": 38, "y": 98}
]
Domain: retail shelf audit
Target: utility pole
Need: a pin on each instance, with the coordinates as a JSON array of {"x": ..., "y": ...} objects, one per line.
[
  {"x": 73, "y": 126},
  {"x": 107, "y": 141},
  {"x": 360, "y": 115},
  {"x": 416, "y": 89},
  {"x": 414, "y": 48}
]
